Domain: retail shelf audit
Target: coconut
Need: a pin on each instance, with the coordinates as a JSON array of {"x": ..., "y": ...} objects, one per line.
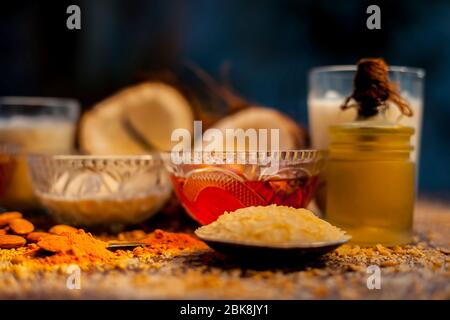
[
  {"x": 291, "y": 136},
  {"x": 135, "y": 120}
]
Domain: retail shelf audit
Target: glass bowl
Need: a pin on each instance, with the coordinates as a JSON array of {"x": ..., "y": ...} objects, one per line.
[
  {"x": 106, "y": 191},
  {"x": 210, "y": 183}
]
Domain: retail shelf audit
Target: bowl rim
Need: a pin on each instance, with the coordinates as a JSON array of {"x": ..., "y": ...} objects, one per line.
[
  {"x": 279, "y": 245},
  {"x": 73, "y": 157},
  {"x": 194, "y": 157},
  {"x": 288, "y": 151}
]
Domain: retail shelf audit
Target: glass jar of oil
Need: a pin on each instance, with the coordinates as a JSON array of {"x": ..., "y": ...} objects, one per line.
[{"x": 370, "y": 182}]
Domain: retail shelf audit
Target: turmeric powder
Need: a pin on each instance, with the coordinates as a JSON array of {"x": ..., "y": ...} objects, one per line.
[
  {"x": 83, "y": 248},
  {"x": 74, "y": 247},
  {"x": 64, "y": 244},
  {"x": 161, "y": 242}
]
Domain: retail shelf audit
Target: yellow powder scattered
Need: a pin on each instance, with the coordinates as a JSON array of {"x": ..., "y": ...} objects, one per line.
[{"x": 271, "y": 225}]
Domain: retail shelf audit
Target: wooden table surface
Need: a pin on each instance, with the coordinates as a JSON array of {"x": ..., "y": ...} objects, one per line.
[{"x": 417, "y": 271}]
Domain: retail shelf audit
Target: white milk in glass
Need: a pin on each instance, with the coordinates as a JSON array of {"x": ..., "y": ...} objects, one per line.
[
  {"x": 38, "y": 134},
  {"x": 326, "y": 111},
  {"x": 35, "y": 135}
]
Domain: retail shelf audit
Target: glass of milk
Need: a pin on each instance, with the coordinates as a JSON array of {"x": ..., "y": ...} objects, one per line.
[
  {"x": 329, "y": 86},
  {"x": 37, "y": 125}
]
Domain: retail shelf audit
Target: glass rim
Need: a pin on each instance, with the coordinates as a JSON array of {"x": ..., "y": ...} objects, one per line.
[
  {"x": 35, "y": 100},
  {"x": 419, "y": 72},
  {"x": 72, "y": 105}
]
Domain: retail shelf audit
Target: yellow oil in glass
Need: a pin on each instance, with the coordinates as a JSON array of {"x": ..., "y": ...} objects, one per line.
[{"x": 371, "y": 184}]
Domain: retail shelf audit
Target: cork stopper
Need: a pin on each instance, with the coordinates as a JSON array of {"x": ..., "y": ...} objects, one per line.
[{"x": 372, "y": 90}]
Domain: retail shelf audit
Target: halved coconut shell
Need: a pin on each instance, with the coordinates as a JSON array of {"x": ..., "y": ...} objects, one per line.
[
  {"x": 135, "y": 120},
  {"x": 291, "y": 136}
]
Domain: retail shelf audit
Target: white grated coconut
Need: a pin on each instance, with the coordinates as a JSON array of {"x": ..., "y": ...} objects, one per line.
[{"x": 271, "y": 225}]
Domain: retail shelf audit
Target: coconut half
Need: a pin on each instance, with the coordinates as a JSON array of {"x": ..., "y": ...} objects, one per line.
[
  {"x": 291, "y": 136},
  {"x": 135, "y": 120}
]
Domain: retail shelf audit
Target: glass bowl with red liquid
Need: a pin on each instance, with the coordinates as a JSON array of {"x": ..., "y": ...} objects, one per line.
[{"x": 211, "y": 183}]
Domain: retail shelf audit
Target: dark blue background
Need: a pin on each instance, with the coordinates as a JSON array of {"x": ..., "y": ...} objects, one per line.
[{"x": 269, "y": 44}]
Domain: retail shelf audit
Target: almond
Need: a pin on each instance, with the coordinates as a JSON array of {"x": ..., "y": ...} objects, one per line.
[
  {"x": 21, "y": 226},
  {"x": 9, "y": 241},
  {"x": 6, "y": 217},
  {"x": 62, "y": 228},
  {"x": 36, "y": 236}
]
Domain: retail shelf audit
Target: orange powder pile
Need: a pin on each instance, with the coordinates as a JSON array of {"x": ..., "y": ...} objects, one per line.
[
  {"x": 162, "y": 242},
  {"x": 80, "y": 247},
  {"x": 74, "y": 247}
]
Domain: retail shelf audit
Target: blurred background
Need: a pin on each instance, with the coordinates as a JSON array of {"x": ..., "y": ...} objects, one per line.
[{"x": 269, "y": 46}]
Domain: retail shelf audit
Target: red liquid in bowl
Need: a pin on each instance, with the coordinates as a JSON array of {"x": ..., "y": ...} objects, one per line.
[{"x": 207, "y": 194}]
